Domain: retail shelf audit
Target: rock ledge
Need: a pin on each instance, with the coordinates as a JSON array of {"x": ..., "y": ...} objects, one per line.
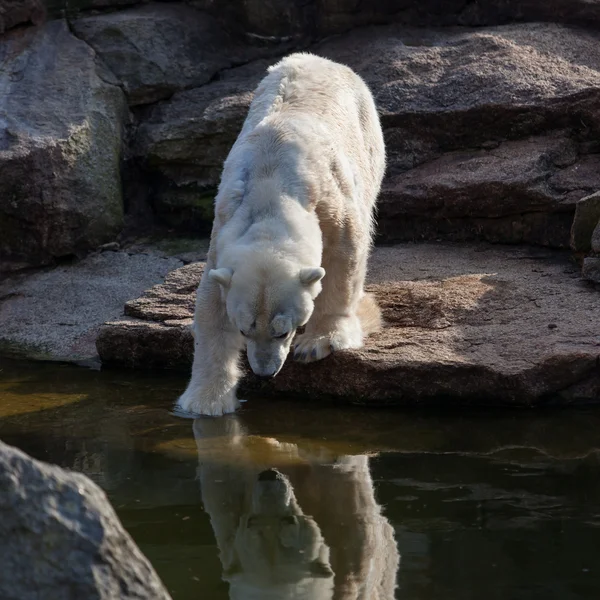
[{"x": 472, "y": 324}]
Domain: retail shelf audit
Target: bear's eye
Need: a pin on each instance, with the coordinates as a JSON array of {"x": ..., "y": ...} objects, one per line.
[
  {"x": 243, "y": 333},
  {"x": 280, "y": 337}
]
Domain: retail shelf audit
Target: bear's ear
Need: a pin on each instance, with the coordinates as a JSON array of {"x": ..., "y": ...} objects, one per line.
[
  {"x": 311, "y": 275},
  {"x": 221, "y": 276}
]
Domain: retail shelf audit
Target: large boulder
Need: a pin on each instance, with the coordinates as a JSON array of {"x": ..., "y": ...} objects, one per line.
[
  {"x": 159, "y": 49},
  {"x": 521, "y": 103},
  {"x": 465, "y": 325},
  {"x": 61, "y": 119},
  {"x": 62, "y": 539}
]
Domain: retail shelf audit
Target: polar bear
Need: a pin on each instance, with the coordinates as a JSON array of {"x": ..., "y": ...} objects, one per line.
[
  {"x": 292, "y": 231},
  {"x": 291, "y": 520}
]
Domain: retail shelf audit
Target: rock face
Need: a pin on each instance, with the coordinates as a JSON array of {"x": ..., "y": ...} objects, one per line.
[
  {"x": 61, "y": 118},
  {"x": 59, "y": 527},
  {"x": 490, "y": 133},
  {"x": 56, "y": 314},
  {"x": 466, "y": 325},
  {"x": 159, "y": 49}
]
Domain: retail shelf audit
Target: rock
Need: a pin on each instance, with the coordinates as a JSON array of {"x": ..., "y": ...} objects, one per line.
[
  {"x": 62, "y": 539},
  {"x": 166, "y": 310},
  {"x": 591, "y": 269},
  {"x": 587, "y": 219},
  {"x": 536, "y": 89},
  {"x": 56, "y": 314},
  {"x": 159, "y": 49},
  {"x": 512, "y": 193},
  {"x": 60, "y": 148},
  {"x": 466, "y": 325},
  {"x": 19, "y": 12},
  {"x": 596, "y": 239}
]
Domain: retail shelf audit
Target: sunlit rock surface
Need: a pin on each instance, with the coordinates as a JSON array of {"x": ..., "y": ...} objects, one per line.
[{"x": 465, "y": 325}]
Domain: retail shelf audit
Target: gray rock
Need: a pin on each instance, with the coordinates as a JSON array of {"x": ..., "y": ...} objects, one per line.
[
  {"x": 465, "y": 325},
  {"x": 62, "y": 539},
  {"x": 525, "y": 100},
  {"x": 596, "y": 239},
  {"x": 591, "y": 269},
  {"x": 586, "y": 221},
  {"x": 158, "y": 49},
  {"x": 61, "y": 118},
  {"x": 56, "y": 314}
]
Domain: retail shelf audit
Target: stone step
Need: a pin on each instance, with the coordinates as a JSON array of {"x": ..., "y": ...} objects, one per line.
[
  {"x": 472, "y": 324},
  {"x": 519, "y": 191}
]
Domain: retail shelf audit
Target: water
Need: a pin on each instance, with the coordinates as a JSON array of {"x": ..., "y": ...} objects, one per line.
[{"x": 496, "y": 505}]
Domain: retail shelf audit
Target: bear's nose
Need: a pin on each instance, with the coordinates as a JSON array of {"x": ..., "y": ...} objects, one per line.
[
  {"x": 266, "y": 375},
  {"x": 268, "y": 475}
]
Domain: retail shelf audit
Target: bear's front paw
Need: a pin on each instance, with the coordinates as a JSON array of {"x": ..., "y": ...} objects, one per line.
[
  {"x": 310, "y": 347},
  {"x": 194, "y": 402}
]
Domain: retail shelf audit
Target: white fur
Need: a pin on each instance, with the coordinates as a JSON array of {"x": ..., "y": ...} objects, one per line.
[{"x": 292, "y": 231}]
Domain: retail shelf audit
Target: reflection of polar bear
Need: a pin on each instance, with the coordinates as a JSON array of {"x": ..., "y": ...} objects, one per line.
[
  {"x": 306, "y": 529},
  {"x": 295, "y": 204}
]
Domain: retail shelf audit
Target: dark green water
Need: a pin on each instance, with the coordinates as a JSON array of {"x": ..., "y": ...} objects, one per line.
[{"x": 496, "y": 505}]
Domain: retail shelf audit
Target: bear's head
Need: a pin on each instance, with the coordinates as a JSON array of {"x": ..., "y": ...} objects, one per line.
[{"x": 267, "y": 299}]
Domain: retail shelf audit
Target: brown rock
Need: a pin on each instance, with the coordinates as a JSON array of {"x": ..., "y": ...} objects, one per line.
[
  {"x": 514, "y": 193},
  {"x": 587, "y": 219},
  {"x": 465, "y": 325}
]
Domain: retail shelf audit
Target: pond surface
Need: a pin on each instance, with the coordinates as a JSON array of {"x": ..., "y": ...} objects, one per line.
[{"x": 292, "y": 500}]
